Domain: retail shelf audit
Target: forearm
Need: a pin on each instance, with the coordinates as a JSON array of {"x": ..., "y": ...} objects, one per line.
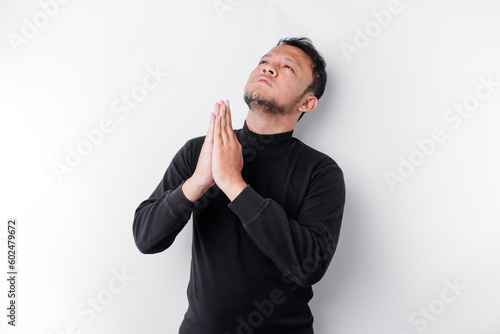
[
  {"x": 301, "y": 246},
  {"x": 159, "y": 219},
  {"x": 301, "y": 252}
]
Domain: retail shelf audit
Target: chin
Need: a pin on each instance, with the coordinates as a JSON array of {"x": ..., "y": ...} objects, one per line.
[
  {"x": 260, "y": 102},
  {"x": 259, "y": 91}
]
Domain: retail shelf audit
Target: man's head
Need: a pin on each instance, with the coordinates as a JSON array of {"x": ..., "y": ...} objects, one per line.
[{"x": 288, "y": 80}]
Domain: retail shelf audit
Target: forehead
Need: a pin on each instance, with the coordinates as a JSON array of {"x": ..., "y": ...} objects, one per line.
[{"x": 292, "y": 52}]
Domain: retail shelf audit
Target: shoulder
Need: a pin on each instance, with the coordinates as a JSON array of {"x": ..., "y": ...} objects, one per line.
[
  {"x": 313, "y": 156},
  {"x": 324, "y": 170}
]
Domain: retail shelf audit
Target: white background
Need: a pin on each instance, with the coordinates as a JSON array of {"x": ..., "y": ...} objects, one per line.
[{"x": 398, "y": 247}]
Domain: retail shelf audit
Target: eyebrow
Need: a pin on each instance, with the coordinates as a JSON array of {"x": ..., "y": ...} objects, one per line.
[{"x": 286, "y": 58}]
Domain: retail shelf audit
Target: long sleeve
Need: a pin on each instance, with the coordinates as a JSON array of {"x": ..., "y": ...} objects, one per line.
[
  {"x": 301, "y": 248},
  {"x": 159, "y": 219}
]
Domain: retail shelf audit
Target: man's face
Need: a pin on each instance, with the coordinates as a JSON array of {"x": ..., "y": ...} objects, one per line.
[{"x": 277, "y": 84}]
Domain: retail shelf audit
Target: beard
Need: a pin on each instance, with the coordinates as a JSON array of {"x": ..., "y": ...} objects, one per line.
[{"x": 256, "y": 100}]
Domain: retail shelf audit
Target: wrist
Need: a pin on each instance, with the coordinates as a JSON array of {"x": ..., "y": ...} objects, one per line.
[
  {"x": 234, "y": 188},
  {"x": 193, "y": 190}
]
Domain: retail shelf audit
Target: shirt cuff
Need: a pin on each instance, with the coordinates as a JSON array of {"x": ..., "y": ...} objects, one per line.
[
  {"x": 179, "y": 203},
  {"x": 247, "y": 204}
]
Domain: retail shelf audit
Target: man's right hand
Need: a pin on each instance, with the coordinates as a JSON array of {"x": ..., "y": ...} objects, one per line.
[{"x": 202, "y": 178}]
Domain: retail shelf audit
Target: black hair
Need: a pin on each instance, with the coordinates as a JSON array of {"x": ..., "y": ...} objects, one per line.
[{"x": 318, "y": 64}]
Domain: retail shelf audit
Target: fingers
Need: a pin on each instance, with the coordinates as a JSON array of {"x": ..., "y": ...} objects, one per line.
[
  {"x": 228, "y": 116},
  {"x": 213, "y": 118},
  {"x": 210, "y": 133},
  {"x": 230, "y": 131},
  {"x": 216, "y": 108},
  {"x": 217, "y": 132},
  {"x": 223, "y": 124}
]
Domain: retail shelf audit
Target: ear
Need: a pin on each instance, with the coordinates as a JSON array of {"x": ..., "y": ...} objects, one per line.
[{"x": 309, "y": 104}]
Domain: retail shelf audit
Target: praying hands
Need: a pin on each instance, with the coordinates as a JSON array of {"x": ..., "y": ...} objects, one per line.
[{"x": 220, "y": 161}]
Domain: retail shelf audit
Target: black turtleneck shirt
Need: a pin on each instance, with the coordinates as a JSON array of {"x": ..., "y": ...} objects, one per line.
[{"x": 254, "y": 259}]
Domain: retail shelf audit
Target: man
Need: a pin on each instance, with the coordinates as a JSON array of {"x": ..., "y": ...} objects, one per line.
[{"x": 267, "y": 209}]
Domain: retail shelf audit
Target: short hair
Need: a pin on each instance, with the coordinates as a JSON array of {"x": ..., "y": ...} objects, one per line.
[{"x": 318, "y": 64}]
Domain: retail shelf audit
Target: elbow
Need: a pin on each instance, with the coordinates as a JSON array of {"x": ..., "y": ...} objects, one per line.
[
  {"x": 303, "y": 277},
  {"x": 142, "y": 240},
  {"x": 311, "y": 278},
  {"x": 142, "y": 237},
  {"x": 310, "y": 272},
  {"x": 143, "y": 246},
  {"x": 148, "y": 248},
  {"x": 303, "y": 280},
  {"x": 143, "y": 249}
]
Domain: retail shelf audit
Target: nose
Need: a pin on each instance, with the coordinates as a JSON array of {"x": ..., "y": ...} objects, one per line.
[{"x": 268, "y": 69}]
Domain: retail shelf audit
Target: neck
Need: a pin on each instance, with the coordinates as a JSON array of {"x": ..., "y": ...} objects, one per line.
[{"x": 262, "y": 123}]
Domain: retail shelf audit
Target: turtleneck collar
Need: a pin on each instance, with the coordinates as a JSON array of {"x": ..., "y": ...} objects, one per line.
[{"x": 268, "y": 141}]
